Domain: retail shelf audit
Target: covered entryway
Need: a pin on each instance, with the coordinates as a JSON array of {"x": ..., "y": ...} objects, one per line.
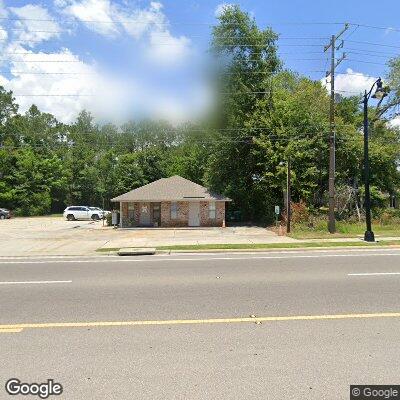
[
  {"x": 145, "y": 214},
  {"x": 156, "y": 214},
  {"x": 194, "y": 213}
]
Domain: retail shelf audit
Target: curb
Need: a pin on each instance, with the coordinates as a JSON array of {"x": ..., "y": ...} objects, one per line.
[{"x": 282, "y": 249}]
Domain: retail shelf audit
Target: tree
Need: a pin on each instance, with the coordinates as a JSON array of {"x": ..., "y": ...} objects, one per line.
[{"x": 248, "y": 58}]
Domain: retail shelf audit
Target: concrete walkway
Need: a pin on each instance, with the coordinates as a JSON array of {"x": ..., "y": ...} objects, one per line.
[
  {"x": 170, "y": 237},
  {"x": 56, "y": 236}
]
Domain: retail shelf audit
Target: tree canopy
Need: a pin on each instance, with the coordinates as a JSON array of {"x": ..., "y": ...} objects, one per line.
[{"x": 266, "y": 115}]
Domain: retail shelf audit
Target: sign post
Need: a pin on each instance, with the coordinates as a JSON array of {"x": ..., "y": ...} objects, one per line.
[{"x": 277, "y": 212}]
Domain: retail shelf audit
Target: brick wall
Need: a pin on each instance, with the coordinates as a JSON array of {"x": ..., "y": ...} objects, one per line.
[
  {"x": 219, "y": 214},
  {"x": 124, "y": 216},
  {"x": 132, "y": 219},
  {"x": 182, "y": 217}
]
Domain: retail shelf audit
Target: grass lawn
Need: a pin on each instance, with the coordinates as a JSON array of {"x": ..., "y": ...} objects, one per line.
[
  {"x": 344, "y": 229},
  {"x": 269, "y": 246}
]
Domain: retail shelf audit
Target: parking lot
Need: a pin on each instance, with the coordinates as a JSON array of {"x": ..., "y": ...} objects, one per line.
[{"x": 56, "y": 236}]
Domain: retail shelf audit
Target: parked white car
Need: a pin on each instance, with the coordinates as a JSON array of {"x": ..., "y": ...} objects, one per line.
[
  {"x": 73, "y": 213},
  {"x": 104, "y": 212}
]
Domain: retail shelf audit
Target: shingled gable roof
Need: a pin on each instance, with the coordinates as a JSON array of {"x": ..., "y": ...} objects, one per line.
[{"x": 174, "y": 188}]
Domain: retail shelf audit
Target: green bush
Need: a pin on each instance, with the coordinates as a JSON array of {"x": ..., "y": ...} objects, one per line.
[
  {"x": 109, "y": 219},
  {"x": 389, "y": 216}
]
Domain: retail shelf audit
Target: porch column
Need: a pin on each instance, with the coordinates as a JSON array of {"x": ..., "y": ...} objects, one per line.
[{"x": 120, "y": 214}]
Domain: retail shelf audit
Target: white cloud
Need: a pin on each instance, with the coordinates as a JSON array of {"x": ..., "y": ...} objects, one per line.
[
  {"x": 149, "y": 25},
  {"x": 351, "y": 83},
  {"x": 3, "y": 10},
  {"x": 221, "y": 8},
  {"x": 52, "y": 77},
  {"x": 3, "y": 32},
  {"x": 140, "y": 21},
  {"x": 33, "y": 32},
  {"x": 101, "y": 11},
  {"x": 167, "y": 49},
  {"x": 33, "y": 78}
]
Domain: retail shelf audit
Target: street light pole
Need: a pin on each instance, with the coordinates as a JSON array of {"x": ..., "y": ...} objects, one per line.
[
  {"x": 369, "y": 234},
  {"x": 379, "y": 94}
]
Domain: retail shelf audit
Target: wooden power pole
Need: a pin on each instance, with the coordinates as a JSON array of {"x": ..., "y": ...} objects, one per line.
[
  {"x": 288, "y": 197},
  {"x": 332, "y": 134}
]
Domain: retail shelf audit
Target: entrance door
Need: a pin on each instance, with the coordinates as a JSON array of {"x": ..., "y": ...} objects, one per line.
[
  {"x": 194, "y": 214},
  {"x": 145, "y": 214},
  {"x": 157, "y": 214}
]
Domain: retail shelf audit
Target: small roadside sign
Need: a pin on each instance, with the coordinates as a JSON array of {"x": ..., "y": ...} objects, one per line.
[{"x": 277, "y": 210}]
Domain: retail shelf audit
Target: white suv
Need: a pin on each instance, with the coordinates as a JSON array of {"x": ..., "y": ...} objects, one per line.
[{"x": 82, "y": 212}]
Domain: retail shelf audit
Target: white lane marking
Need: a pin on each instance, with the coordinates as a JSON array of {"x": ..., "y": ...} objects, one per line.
[
  {"x": 133, "y": 260},
  {"x": 31, "y": 282},
  {"x": 374, "y": 273}
]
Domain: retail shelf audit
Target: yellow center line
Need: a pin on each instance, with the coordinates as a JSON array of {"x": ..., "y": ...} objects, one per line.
[
  {"x": 19, "y": 327},
  {"x": 16, "y": 330}
]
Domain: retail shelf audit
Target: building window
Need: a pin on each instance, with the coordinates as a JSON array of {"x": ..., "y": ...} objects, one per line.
[
  {"x": 174, "y": 210},
  {"x": 211, "y": 210}
]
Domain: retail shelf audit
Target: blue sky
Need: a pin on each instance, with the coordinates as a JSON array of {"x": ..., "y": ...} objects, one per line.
[{"x": 146, "y": 58}]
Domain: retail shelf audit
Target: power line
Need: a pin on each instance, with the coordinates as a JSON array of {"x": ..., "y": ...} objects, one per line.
[
  {"x": 366, "y": 54},
  {"x": 372, "y": 51},
  {"x": 173, "y": 44},
  {"x": 386, "y": 28},
  {"x": 41, "y": 61},
  {"x": 53, "y": 95},
  {"x": 356, "y": 74},
  {"x": 373, "y": 44},
  {"x": 46, "y": 73},
  {"x": 28, "y": 30},
  {"x": 110, "y": 144},
  {"x": 113, "y": 21},
  {"x": 366, "y": 62}
]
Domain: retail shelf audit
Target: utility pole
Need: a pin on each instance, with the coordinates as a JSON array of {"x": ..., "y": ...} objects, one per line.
[
  {"x": 332, "y": 139},
  {"x": 288, "y": 196}
]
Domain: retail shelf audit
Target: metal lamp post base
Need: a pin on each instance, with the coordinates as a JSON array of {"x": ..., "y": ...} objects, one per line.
[{"x": 369, "y": 236}]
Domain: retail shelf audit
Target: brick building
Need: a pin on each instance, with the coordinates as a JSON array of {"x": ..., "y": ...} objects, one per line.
[{"x": 171, "y": 202}]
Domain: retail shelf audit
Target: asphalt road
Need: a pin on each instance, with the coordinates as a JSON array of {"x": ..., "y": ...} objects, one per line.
[{"x": 183, "y": 326}]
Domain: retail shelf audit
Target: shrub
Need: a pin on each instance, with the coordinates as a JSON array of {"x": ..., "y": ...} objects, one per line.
[
  {"x": 109, "y": 219},
  {"x": 389, "y": 216},
  {"x": 300, "y": 213}
]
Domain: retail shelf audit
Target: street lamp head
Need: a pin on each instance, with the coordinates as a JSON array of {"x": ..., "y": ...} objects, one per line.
[{"x": 380, "y": 91}]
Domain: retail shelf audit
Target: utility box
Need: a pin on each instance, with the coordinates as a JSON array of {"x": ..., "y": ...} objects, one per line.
[{"x": 114, "y": 218}]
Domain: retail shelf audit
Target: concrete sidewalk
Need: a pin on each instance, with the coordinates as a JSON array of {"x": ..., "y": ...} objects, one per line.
[
  {"x": 56, "y": 236},
  {"x": 171, "y": 237}
]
